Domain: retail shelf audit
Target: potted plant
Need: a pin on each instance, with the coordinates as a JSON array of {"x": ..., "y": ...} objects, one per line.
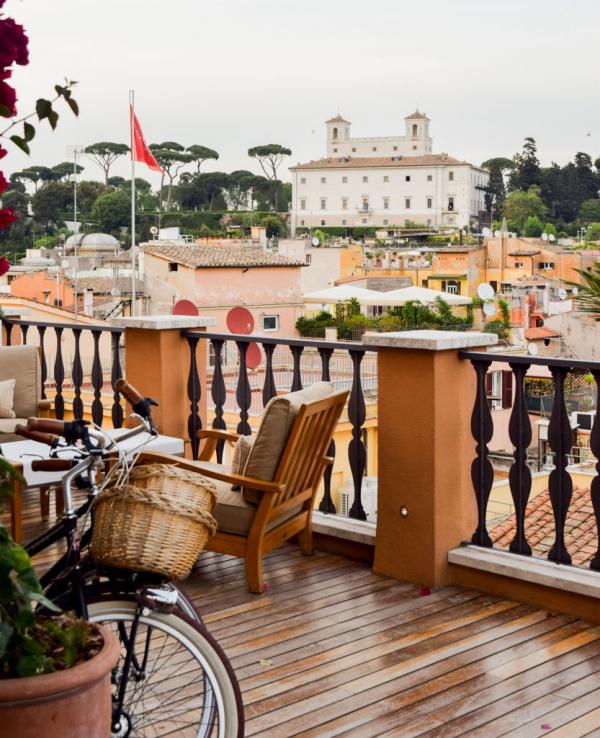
[{"x": 54, "y": 669}]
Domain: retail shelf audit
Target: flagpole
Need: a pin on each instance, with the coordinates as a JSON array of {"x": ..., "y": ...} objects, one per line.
[{"x": 131, "y": 119}]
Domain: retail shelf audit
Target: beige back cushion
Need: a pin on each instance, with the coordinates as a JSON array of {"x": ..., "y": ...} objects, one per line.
[
  {"x": 7, "y": 392},
  {"x": 271, "y": 438},
  {"x": 22, "y": 363}
]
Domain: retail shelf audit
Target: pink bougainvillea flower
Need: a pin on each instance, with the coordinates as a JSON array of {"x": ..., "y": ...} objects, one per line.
[
  {"x": 266, "y": 587},
  {"x": 546, "y": 726},
  {"x": 424, "y": 591},
  {"x": 3, "y": 182},
  {"x": 8, "y": 96},
  {"x": 4, "y": 265},
  {"x": 7, "y": 216},
  {"x": 13, "y": 43},
  {"x": 3, "y": 152}
]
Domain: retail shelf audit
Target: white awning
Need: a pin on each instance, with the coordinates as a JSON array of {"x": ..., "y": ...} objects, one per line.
[
  {"x": 414, "y": 294},
  {"x": 341, "y": 293}
]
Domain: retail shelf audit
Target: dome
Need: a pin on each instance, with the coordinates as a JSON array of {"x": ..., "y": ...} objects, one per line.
[{"x": 92, "y": 242}]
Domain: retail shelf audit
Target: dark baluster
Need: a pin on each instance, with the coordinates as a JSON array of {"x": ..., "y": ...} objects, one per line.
[
  {"x": 97, "y": 381},
  {"x": 218, "y": 393},
  {"x": 8, "y": 326},
  {"x": 595, "y": 486},
  {"x": 243, "y": 393},
  {"x": 326, "y": 505},
  {"x": 59, "y": 376},
  {"x": 24, "y": 329},
  {"x": 560, "y": 485},
  {"x": 193, "y": 389},
  {"x": 77, "y": 376},
  {"x": 269, "y": 389},
  {"x": 116, "y": 373},
  {"x": 44, "y": 367},
  {"x": 482, "y": 472},
  {"x": 356, "y": 448},
  {"x": 297, "y": 378},
  {"x": 519, "y": 429}
]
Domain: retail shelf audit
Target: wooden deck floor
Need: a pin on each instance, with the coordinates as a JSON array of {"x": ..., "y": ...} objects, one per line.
[{"x": 335, "y": 650}]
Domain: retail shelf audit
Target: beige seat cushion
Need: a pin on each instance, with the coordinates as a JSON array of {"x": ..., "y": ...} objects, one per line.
[
  {"x": 275, "y": 426},
  {"x": 232, "y": 513},
  {"x": 7, "y": 428},
  {"x": 23, "y": 364}
]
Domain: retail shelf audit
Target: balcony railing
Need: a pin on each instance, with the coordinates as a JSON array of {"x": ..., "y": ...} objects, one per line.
[
  {"x": 560, "y": 438},
  {"x": 77, "y": 371},
  {"x": 289, "y": 365}
]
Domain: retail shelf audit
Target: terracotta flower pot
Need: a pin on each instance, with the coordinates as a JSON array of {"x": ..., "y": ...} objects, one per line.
[{"x": 74, "y": 703}]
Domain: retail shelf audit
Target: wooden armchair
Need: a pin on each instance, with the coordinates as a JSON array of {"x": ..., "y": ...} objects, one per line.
[{"x": 268, "y": 512}]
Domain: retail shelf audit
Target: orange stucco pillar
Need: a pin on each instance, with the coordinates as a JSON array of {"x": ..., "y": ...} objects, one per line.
[
  {"x": 426, "y": 503},
  {"x": 157, "y": 363}
]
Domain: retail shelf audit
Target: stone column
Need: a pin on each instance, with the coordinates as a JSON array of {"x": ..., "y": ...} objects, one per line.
[{"x": 426, "y": 503}]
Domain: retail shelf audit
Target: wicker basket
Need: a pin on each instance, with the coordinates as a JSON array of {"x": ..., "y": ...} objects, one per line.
[{"x": 159, "y": 522}]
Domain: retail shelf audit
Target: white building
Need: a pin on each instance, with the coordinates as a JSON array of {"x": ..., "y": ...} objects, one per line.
[{"x": 385, "y": 181}]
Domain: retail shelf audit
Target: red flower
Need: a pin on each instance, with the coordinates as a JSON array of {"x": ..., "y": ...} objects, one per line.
[
  {"x": 3, "y": 151},
  {"x": 8, "y": 96},
  {"x": 424, "y": 591},
  {"x": 13, "y": 43},
  {"x": 3, "y": 182},
  {"x": 7, "y": 216},
  {"x": 4, "y": 265}
]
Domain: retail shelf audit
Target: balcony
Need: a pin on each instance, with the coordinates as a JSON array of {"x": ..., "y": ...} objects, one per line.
[{"x": 417, "y": 615}]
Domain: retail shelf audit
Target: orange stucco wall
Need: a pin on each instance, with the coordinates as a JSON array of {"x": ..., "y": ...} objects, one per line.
[{"x": 41, "y": 287}]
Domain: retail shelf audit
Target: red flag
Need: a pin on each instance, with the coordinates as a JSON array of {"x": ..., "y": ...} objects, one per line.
[{"x": 139, "y": 149}]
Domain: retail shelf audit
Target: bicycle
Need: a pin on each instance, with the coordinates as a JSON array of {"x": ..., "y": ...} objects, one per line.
[{"x": 172, "y": 677}]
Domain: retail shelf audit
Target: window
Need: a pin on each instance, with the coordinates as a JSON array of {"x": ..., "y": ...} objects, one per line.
[
  {"x": 302, "y": 180},
  {"x": 385, "y": 222},
  {"x": 344, "y": 203},
  {"x": 415, "y": 130},
  {"x": 365, "y": 203},
  {"x": 365, "y": 179},
  {"x": 386, "y": 203},
  {"x": 374, "y": 148},
  {"x": 386, "y": 178},
  {"x": 364, "y": 221},
  {"x": 323, "y": 180},
  {"x": 429, "y": 202},
  {"x": 302, "y": 204},
  {"x": 173, "y": 266},
  {"x": 344, "y": 222},
  {"x": 428, "y": 221},
  {"x": 335, "y": 151},
  {"x": 308, "y": 259},
  {"x": 301, "y": 222},
  {"x": 270, "y": 322},
  {"x": 414, "y": 148},
  {"x": 429, "y": 177},
  {"x": 451, "y": 176},
  {"x": 322, "y": 222},
  {"x": 344, "y": 180},
  {"x": 407, "y": 178},
  {"x": 452, "y": 286},
  {"x": 395, "y": 148},
  {"x": 354, "y": 149},
  {"x": 450, "y": 203},
  {"x": 323, "y": 204},
  {"x": 335, "y": 133},
  {"x": 407, "y": 203}
]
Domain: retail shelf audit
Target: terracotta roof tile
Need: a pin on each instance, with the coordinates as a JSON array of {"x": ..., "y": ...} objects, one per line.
[
  {"x": 537, "y": 334},
  {"x": 214, "y": 256},
  {"x": 581, "y": 537},
  {"x": 359, "y": 162}
]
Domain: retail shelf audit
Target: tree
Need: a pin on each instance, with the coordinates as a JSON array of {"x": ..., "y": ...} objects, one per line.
[
  {"x": 240, "y": 187},
  {"x": 532, "y": 227},
  {"x": 518, "y": 205},
  {"x": 589, "y": 211},
  {"x": 200, "y": 154},
  {"x": 172, "y": 158},
  {"x": 270, "y": 157},
  {"x": 588, "y": 296},
  {"x": 496, "y": 189},
  {"x": 550, "y": 229},
  {"x": 593, "y": 232},
  {"x": 35, "y": 175},
  {"x": 105, "y": 153},
  {"x": 88, "y": 193},
  {"x": 274, "y": 225},
  {"x": 64, "y": 170},
  {"x": 526, "y": 172},
  {"x": 50, "y": 202},
  {"x": 112, "y": 211}
]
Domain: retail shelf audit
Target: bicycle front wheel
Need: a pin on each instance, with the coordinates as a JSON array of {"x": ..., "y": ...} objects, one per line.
[{"x": 179, "y": 683}]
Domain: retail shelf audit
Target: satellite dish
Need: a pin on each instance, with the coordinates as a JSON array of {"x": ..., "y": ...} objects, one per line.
[
  {"x": 154, "y": 230},
  {"x": 551, "y": 237},
  {"x": 562, "y": 293},
  {"x": 115, "y": 292},
  {"x": 315, "y": 241},
  {"x": 485, "y": 291},
  {"x": 185, "y": 307},
  {"x": 253, "y": 356},
  {"x": 496, "y": 234},
  {"x": 532, "y": 349},
  {"x": 575, "y": 291},
  {"x": 544, "y": 236},
  {"x": 240, "y": 320},
  {"x": 486, "y": 233},
  {"x": 489, "y": 308}
]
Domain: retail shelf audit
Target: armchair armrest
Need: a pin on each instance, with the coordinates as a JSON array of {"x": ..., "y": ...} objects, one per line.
[
  {"x": 212, "y": 436},
  {"x": 240, "y": 480}
]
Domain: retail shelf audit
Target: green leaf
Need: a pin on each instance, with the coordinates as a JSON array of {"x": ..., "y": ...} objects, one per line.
[
  {"x": 28, "y": 131},
  {"x": 53, "y": 118},
  {"x": 5, "y": 111},
  {"x": 21, "y": 143},
  {"x": 43, "y": 600},
  {"x": 32, "y": 665},
  {"x": 42, "y": 108},
  {"x": 73, "y": 105},
  {"x": 31, "y": 646},
  {"x": 6, "y": 631}
]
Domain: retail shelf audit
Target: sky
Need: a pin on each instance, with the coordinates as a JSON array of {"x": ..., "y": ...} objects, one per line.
[{"x": 235, "y": 74}]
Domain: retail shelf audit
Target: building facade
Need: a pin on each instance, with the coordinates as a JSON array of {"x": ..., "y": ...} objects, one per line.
[{"x": 385, "y": 181}]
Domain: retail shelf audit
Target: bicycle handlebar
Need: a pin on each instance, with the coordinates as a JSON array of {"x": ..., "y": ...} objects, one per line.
[
  {"x": 128, "y": 391},
  {"x": 46, "y": 425},
  {"x": 52, "y": 464},
  {"x": 33, "y": 435}
]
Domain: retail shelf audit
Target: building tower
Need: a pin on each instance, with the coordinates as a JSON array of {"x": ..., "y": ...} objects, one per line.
[
  {"x": 417, "y": 134},
  {"x": 338, "y": 131}
]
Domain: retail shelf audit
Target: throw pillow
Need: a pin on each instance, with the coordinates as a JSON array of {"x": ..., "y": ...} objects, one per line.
[
  {"x": 241, "y": 453},
  {"x": 7, "y": 393}
]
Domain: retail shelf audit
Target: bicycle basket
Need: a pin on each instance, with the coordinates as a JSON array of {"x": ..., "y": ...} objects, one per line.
[{"x": 159, "y": 522}]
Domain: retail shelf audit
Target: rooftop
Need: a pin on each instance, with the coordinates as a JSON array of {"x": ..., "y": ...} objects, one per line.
[
  {"x": 360, "y": 162},
  {"x": 538, "y": 334},
  {"x": 417, "y": 115},
  {"x": 213, "y": 256}
]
